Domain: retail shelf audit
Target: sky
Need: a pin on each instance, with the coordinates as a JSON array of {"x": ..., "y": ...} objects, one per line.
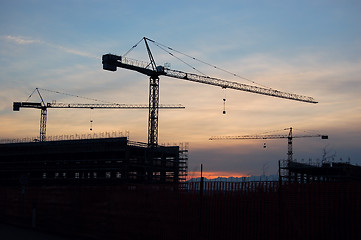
[{"x": 311, "y": 48}]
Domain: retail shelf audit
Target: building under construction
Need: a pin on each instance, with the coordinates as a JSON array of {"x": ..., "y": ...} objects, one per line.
[
  {"x": 90, "y": 161},
  {"x": 293, "y": 171},
  {"x": 99, "y": 189}
]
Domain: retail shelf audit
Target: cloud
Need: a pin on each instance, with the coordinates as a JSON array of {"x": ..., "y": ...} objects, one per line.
[
  {"x": 27, "y": 41},
  {"x": 73, "y": 51},
  {"x": 20, "y": 40}
]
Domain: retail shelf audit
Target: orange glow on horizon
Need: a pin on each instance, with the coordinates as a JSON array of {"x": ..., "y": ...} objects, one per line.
[{"x": 213, "y": 175}]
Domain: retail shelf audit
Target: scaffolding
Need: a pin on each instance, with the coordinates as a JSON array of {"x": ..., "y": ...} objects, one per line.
[
  {"x": 76, "y": 136},
  {"x": 91, "y": 161}
]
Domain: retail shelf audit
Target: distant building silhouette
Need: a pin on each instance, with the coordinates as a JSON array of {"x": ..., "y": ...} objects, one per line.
[{"x": 326, "y": 172}]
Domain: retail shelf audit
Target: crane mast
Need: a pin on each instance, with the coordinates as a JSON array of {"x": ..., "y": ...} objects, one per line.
[{"x": 111, "y": 62}]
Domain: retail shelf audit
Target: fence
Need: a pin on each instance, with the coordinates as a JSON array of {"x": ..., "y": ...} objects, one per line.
[
  {"x": 235, "y": 187},
  {"x": 245, "y": 210}
]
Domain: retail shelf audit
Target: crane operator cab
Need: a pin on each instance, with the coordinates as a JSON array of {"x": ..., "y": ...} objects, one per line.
[{"x": 160, "y": 69}]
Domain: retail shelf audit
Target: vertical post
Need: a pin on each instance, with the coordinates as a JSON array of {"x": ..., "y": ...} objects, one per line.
[
  {"x": 23, "y": 199},
  {"x": 202, "y": 181},
  {"x": 153, "y": 111},
  {"x": 290, "y": 151},
  {"x": 201, "y": 201},
  {"x": 281, "y": 208},
  {"x": 289, "y": 154},
  {"x": 43, "y": 124},
  {"x": 33, "y": 217}
]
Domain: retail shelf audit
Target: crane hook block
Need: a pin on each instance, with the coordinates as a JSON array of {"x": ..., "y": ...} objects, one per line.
[{"x": 224, "y": 106}]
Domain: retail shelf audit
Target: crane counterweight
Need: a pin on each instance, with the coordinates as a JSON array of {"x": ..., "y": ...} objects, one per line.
[{"x": 109, "y": 61}]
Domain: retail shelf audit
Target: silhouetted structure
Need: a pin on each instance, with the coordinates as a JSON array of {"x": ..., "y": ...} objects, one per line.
[
  {"x": 99, "y": 189},
  {"x": 328, "y": 171},
  {"x": 111, "y": 62},
  {"x": 90, "y": 161}
]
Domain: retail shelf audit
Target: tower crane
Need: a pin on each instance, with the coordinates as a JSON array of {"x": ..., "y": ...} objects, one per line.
[
  {"x": 44, "y": 109},
  {"x": 289, "y": 137},
  {"x": 111, "y": 62}
]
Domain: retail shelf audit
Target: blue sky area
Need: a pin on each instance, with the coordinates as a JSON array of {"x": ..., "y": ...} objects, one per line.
[{"x": 311, "y": 48}]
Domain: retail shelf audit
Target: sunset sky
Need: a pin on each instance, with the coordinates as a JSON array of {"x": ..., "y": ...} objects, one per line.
[{"x": 311, "y": 48}]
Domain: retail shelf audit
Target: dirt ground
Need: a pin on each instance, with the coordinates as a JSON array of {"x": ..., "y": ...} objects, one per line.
[{"x": 9, "y": 232}]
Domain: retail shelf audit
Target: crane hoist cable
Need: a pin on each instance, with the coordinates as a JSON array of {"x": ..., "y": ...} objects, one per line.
[
  {"x": 91, "y": 120},
  {"x": 72, "y": 95},
  {"x": 164, "y": 48},
  {"x": 189, "y": 65},
  {"x": 31, "y": 95},
  {"x": 134, "y": 46},
  {"x": 224, "y": 89},
  {"x": 105, "y": 105},
  {"x": 224, "y": 100},
  {"x": 203, "y": 62},
  {"x": 111, "y": 62}
]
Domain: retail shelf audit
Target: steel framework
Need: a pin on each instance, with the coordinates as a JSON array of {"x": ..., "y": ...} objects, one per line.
[
  {"x": 111, "y": 62},
  {"x": 44, "y": 107}
]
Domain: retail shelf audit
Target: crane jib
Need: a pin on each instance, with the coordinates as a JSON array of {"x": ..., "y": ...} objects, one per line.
[
  {"x": 235, "y": 85},
  {"x": 111, "y": 62}
]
